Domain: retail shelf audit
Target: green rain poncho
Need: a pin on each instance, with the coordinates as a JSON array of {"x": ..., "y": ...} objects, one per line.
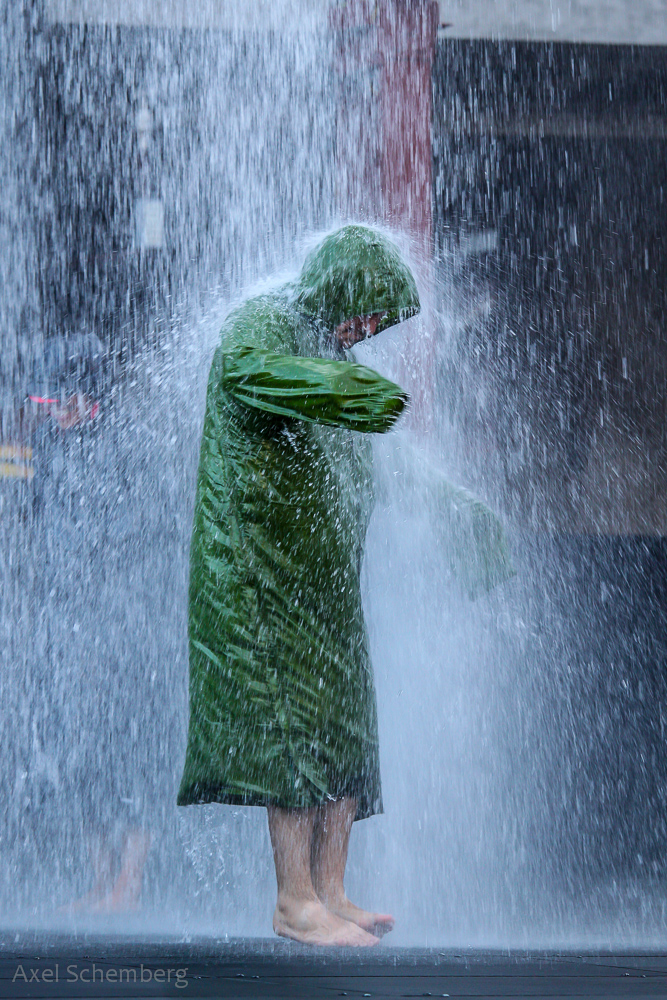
[{"x": 282, "y": 702}]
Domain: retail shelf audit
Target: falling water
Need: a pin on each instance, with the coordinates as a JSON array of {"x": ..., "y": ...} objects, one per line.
[{"x": 157, "y": 162}]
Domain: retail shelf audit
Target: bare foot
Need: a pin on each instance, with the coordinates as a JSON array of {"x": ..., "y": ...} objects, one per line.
[
  {"x": 115, "y": 902},
  {"x": 82, "y": 905},
  {"x": 309, "y": 922},
  {"x": 119, "y": 900},
  {"x": 375, "y": 923},
  {"x": 125, "y": 897}
]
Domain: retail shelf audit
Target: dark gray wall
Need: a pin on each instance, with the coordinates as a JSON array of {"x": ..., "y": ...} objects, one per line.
[
  {"x": 559, "y": 150},
  {"x": 550, "y": 188}
]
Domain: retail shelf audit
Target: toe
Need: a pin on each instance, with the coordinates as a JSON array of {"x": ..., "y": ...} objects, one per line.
[{"x": 366, "y": 938}]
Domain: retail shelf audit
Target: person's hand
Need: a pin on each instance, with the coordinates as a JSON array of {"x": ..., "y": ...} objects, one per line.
[{"x": 358, "y": 328}]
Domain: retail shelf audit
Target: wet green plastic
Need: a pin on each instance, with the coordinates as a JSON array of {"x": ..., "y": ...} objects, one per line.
[{"x": 282, "y": 702}]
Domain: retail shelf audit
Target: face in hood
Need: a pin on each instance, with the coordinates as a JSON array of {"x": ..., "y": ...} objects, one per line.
[{"x": 356, "y": 271}]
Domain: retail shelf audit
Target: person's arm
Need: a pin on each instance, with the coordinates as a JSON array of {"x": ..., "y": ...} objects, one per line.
[{"x": 338, "y": 393}]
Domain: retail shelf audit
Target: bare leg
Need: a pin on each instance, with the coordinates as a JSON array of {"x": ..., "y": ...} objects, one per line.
[
  {"x": 299, "y": 914},
  {"x": 125, "y": 895},
  {"x": 101, "y": 856},
  {"x": 331, "y": 838}
]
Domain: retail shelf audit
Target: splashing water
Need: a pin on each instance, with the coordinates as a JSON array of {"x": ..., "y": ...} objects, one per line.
[{"x": 163, "y": 160}]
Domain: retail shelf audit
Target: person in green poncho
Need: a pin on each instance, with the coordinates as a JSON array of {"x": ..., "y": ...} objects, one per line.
[{"x": 282, "y": 701}]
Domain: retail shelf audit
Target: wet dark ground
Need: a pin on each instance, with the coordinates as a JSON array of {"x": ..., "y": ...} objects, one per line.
[{"x": 60, "y": 967}]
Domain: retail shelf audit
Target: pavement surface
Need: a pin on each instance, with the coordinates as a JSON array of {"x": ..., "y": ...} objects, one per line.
[{"x": 61, "y": 967}]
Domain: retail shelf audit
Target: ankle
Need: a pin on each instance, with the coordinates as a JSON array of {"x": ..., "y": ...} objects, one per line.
[
  {"x": 331, "y": 895},
  {"x": 291, "y": 899}
]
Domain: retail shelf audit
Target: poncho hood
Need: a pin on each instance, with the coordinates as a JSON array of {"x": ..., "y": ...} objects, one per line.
[{"x": 356, "y": 271}]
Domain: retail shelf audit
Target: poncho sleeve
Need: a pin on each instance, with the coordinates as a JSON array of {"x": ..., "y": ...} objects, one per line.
[{"x": 319, "y": 390}]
